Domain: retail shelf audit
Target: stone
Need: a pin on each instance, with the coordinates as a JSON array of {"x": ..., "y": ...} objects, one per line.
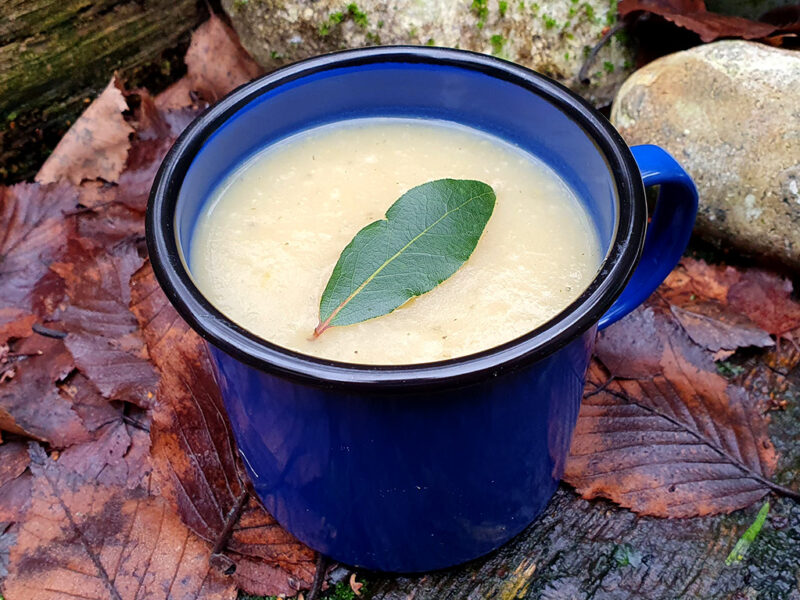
[
  {"x": 551, "y": 36},
  {"x": 729, "y": 112}
]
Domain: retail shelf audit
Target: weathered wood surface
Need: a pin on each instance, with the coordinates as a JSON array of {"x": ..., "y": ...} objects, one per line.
[
  {"x": 580, "y": 550},
  {"x": 56, "y": 54}
]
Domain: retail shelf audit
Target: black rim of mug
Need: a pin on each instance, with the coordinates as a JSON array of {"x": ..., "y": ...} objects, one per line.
[{"x": 574, "y": 320}]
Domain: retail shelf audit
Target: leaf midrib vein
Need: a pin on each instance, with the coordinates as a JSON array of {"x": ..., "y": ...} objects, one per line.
[{"x": 396, "y": 254}]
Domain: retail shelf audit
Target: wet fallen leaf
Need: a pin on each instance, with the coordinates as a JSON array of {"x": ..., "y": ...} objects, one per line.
[
  {"x": 693, "y": 15},
  {"x": 15, "y": 323},
  {"x": 196, "y": 466},
  {"x": 673, "y": 440},
  {"x": 96, "y": 145},
  {"x": 766, "y": 299},
  {"x": 31, "y": 403},
  {"x": 716, "y": 328},
  {"x": 14, "y": 460},
  {"x": 81, "y": 537},
  {"x": 34, "y": 231},
  {"x": 102, "y": 333},
  {"x": 15, "y": 484},
  {"x": 758, "y": 296}
]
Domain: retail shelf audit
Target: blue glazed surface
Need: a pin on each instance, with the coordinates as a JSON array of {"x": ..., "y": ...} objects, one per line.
[
  {"x": 408, "y": 482},
  {"x": 417, "y": 468}
]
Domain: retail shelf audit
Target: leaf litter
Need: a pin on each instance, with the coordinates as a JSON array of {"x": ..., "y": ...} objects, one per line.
[{"x": 124, "y": 482}]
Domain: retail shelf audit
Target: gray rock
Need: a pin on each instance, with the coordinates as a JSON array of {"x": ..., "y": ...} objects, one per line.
[
  {"x": 551, "y": 36},
  {"x": 730, "y": 114}
]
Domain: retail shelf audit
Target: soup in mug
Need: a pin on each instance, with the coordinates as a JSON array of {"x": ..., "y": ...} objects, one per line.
[{"x": 269, "y": 236}]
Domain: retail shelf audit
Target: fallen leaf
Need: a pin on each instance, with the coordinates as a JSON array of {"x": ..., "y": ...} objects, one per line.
[
  {"x": 96, "y": 145},
  {"x": 33, "y": 234},
  {"x": 102, "y": 333},
  {"x": 156, "y": 131},
  {"x": 693, "y": 279},
  {"x": 14, "y": 460},
  {"x": 216, "y": 64},
  {"x": 31, "y": 403},
  {"x": 82, "y": 538},
  {"x": 355, "y": 585},
  {"x": 118, "y": 456},
  {"x": 693, "y": 15},
  {"x": 716, "y": 328},
  {"x": 678, "y": 442},
  {"x": 766, "y": 299},
  {"x": 15, "y": 323},
  {"x": 88, "y": 403},
  {"x": 15, "y": 484},
  {"x": 195, "y": 462}
]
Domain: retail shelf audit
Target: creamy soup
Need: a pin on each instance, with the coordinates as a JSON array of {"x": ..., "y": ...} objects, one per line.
[{"x": 269, "y": 236}]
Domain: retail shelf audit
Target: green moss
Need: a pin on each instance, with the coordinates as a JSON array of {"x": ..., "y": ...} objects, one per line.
[
  {"x": 608, "y": 66},
  {"x": 535, "y": 8},
  {"x": 359, "y": 16},
  {"x": 275, "y": 55},
  {"x": 549, "y": 22},
  {"x": 480, "y": 8},
  {"x": 590, "y": 14},
  {"x": 497, "y": 41},
  {"x": 611, "y": 15},
  {"x": 430, "y": 42},
  {"x": 728, "y": 369},
  {"x": 503, "y": 7},
  {"x": 566, "y": 55},
  {"x": 521, "y": 5}
]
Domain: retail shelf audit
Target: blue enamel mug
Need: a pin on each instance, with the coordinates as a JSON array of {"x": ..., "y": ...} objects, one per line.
[{"x": 418, "y": 467}]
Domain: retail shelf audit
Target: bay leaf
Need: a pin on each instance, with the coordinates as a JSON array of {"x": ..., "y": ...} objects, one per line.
[{"x": 428, "y": 233}]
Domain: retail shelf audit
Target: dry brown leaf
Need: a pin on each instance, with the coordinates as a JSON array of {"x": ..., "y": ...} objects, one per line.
[
  {"x": 96, "y": 146},
  {"x": 216, "y": 64},
  {"x": 33, "y": 231},
  {"x": 81, "y": 538},
  {"x": 193, "y": 454},
  {"x": 693, "y": 15},
  {"x": 674, "y": 439},
  {"x": 716, "y": 328}
]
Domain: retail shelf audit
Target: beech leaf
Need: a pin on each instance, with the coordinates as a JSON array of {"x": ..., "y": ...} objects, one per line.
[
  {"x": 196, "y": 466},
  {"x": 86, "y": 535},
  {"x": 428, "y": 233},
  {"x": 676, "y": 441}
]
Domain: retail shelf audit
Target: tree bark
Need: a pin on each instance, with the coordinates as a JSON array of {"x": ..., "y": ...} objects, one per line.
[{"x": 55, "y": 55}]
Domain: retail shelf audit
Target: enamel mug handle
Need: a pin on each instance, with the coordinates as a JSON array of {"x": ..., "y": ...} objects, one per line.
[{"x": 667, "y": 233}]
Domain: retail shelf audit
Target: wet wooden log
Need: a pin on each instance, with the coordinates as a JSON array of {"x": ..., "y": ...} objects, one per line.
[{"x": 55, "y": 55}]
